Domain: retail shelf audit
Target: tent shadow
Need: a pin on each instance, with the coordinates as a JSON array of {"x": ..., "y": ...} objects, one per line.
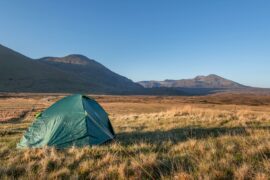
[{"x": 181, "y": 134}]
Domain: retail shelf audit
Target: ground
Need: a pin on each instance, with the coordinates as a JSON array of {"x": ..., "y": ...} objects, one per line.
[{"x": 222, "y": 136}]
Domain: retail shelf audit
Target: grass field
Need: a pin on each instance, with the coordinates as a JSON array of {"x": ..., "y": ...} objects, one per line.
[{"x": 214, "y": 137}]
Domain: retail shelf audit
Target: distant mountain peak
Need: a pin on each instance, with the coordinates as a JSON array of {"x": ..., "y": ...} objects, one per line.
[
  {"x": 208, "y": 77},
  {"x": 209, "y": 81},
  {"x": 76, "y": 56}
]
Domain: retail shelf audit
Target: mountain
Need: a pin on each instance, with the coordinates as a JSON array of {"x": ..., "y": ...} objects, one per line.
[
  {"x": 19, "y": 73},
  {"x": 79, "y": 74},
  {"x": 210, "y": 81},
  {"x": 91, "y": 71}
]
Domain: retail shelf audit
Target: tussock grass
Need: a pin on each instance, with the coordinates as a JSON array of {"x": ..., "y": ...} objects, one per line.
[{"x": 186, "y": 142}]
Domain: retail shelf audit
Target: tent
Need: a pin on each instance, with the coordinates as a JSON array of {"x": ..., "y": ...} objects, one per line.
[{"x": 75, "y": 120}]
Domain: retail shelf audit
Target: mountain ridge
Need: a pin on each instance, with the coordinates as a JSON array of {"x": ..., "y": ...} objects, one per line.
[
  {"x": 77, "y": 73},
  {"x": 68, "y": 59},
  {"x": 90, "y": 70},
  {"x": 19, "y": 73},
  {"x": 210, "y": 81}
]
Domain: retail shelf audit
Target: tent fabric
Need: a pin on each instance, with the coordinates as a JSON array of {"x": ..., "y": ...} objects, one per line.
[{"x": 75, "y": 120}]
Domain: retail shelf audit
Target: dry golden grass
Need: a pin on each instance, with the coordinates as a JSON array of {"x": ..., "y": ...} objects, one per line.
[{"x": 168, "y": 140}]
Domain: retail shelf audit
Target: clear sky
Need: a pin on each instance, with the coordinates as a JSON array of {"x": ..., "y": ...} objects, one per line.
[{"x": 147, "y": 39}]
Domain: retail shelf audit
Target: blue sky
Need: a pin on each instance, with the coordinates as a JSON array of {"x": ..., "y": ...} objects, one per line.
[{"x": 147, "y": 39}]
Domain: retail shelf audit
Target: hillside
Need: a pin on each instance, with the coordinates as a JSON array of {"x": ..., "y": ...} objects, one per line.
[
  {"x": 19, "y": 73},
  {"x": 71, "y": 74},
  {"x": 79, "y": 74},
  {"x": 91, "y": 71},
  {"x": 210, "y": 81}
]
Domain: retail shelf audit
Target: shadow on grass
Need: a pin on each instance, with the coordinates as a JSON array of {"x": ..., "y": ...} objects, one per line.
[
  {"x": 181, "y": 134},
  {"x": 16, "y": 120}
]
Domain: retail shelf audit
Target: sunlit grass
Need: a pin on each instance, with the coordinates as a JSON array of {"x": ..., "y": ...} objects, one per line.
[{"x": 182, "y": 143}]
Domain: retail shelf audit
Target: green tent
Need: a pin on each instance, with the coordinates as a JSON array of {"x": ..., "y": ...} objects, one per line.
[{"x": 74, "y": 120}]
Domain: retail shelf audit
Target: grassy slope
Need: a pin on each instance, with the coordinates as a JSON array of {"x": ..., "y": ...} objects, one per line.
[{"x": 188, "y": 141}]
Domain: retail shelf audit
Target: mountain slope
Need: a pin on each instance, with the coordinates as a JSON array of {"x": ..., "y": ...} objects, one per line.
[
  {"x": 210, "y": 81},
  {"x": 77, "y": 73},
  {"x": 19, "y": 73},
  {"x": 91, "y": 71}
]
